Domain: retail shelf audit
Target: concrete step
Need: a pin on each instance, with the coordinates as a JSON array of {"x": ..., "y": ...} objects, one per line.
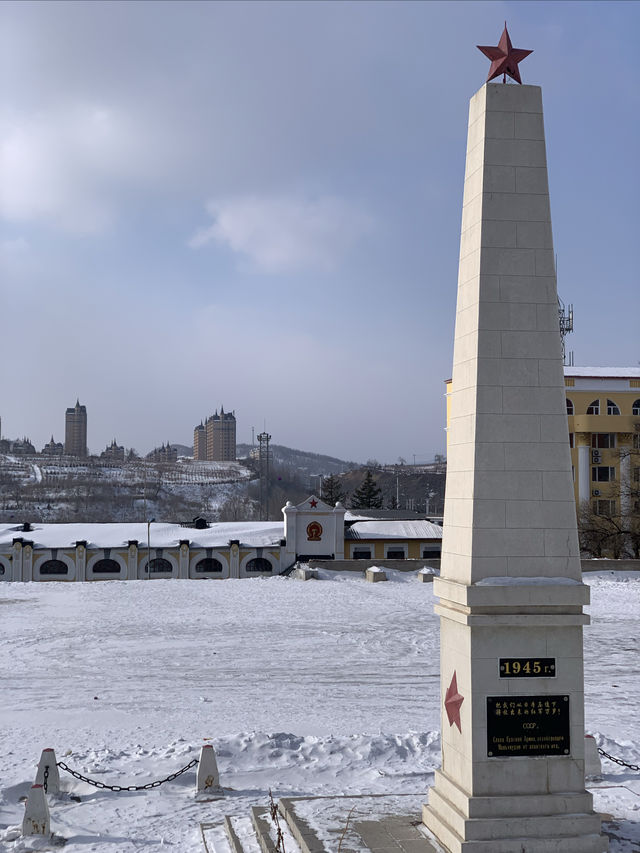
[
  {"x": 587, "y": 843},
  {"x": 261, "y": 827},
  {"x": 232, "y": 836},
  {"x": 487, "y": 828},
  {"x": 307, "y": 840}
]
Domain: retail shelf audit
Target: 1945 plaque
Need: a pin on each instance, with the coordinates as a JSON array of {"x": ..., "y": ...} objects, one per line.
[{"x": 527, "y": 725}]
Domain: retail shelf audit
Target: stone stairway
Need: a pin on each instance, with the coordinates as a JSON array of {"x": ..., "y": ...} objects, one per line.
[{"x": 254, "y": 834}]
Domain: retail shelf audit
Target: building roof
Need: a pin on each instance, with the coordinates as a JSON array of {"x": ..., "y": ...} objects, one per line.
[
  {"x": 254, "y": 534},
  {"x": 597, "y": 372},
  {"x": 604, "y": 372},
  {"x": 417, "y": 529},
  {"x": 382, "y": 515}
]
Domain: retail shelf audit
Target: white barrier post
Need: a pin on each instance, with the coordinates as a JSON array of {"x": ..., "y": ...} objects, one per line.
[
  {"x": 208, "y": 777},
  {"x": 592, "y": 762},
  {"x": 48, "y": 759},
  {"x": 36, "y": 813}
]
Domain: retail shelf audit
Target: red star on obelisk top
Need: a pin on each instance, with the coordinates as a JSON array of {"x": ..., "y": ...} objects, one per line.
[
  {"x": 504, "y": 58},
  {"x": 452, "y": 702}
]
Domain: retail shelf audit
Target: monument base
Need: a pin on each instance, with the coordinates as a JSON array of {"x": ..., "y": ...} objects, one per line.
[{"x": 542, "y": 823}]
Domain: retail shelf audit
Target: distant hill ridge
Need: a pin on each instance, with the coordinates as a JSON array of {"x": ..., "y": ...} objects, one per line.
[{"x": 310, "y": 463}]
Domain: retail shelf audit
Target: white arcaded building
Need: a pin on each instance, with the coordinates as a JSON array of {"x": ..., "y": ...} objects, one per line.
[{"x": 310, "y": 531}]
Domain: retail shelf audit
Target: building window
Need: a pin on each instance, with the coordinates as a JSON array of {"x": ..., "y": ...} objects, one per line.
[
  {"x": 635, "y": 408},
  {"x": 106, "y": 567},
  {"x": 612, "y": 409},
  {"x": 395, "y": 554},
  {"x": 603, "y": 474},
  {"x": 54, "y": 567},
  {"x": 361, "y": 554},
  {"x": 603, "y": 439},
  {"x": 570, "y": 409},
  {"x": 594, "y": 408},
  {"x": 570, "y": 439},
  {"x": 636, "y": 441},
  {"x": 159, "y": 566},
  {"x": 258, "y": 564},
  {"x": 607, "y": 508},
  {"x": 431, "y": 551},
  {"x": 209, "y": 564}
]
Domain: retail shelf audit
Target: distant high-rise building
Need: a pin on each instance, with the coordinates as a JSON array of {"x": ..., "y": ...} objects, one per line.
[
  {"x": 200, "y": 442},
  {"x": 221, "y": 437},
  {"x": 215, "y": 440},
  {"x": 75, "y": 430}
]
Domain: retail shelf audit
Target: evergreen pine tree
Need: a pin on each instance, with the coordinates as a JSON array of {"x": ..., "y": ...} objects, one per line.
[
  {"x": 368, "y": 495},
  {"x": 332, "y": 490}
]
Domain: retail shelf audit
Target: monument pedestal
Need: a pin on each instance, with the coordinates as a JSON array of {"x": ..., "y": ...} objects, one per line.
[{"x": 513, "y": 760}]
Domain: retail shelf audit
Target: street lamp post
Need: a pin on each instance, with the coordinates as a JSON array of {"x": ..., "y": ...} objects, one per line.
[{"x": 149, "y": 523}]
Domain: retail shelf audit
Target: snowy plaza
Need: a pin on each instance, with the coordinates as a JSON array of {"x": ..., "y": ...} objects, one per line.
[{"x": 321, "y": 688}]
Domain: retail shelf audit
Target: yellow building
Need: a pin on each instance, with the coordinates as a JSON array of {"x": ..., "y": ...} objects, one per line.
[{"x": 603, "y": 408}]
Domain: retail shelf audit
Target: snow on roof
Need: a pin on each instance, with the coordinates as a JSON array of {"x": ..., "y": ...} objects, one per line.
[
  {"x": 419, "y": 529},
  {"x": 256, "y": 534},
  {"x": 605, "y": 372},
  {"x": 382, "y": 515}
]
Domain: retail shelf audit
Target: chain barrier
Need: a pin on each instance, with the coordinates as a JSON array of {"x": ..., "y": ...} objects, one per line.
[
  {"x": 45, "y": 780},
  {"x": 618, "y": 760},
  {"x": 146, "y": 787}
]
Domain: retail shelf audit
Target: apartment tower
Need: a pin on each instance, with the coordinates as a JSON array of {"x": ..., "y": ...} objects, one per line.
[
  {"x": 215, "y": 439},
  {"x": 75, "y": 431}
]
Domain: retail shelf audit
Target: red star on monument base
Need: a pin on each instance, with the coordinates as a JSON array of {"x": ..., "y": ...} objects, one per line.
[
  {"x": 452, "y": 702},
  {"x": 504, "y": 58}
]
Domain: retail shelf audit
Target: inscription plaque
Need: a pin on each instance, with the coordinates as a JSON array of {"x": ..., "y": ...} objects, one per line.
[
  {"x": 527, "y": 667},
  {"x": 527, "y": 725}
]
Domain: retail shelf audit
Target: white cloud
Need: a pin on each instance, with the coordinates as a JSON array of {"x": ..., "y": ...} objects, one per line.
[
  {"x": 64, "y": 166},
  {"x": 281, "y": 234}
]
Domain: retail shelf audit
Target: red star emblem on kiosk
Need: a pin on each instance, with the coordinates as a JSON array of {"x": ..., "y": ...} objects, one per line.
[
  {"x": 504, "y": 58},
  {"x": 313, "y": 503},
  {"x": 452, "y": 702}
]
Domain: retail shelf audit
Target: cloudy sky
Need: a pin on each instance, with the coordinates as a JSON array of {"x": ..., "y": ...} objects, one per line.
[{"x": 258, "y": 205}]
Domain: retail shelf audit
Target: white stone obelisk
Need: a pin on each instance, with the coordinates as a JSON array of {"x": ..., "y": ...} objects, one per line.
[{"x": 511, "y": 591}]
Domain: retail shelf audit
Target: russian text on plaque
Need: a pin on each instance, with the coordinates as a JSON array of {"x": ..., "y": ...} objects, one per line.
[{"x": 527, "y": 725}]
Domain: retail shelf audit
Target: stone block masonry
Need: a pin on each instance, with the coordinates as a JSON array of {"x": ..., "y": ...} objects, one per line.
[{"x": 511, "y": 593}]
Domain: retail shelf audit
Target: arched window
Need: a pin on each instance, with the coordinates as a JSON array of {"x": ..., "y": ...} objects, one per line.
[
  {"x": 258, "y": 564},
  {"x": 1, "y": 569},
  {"x": 208, "y": 564},
  {"x": 635, "y": 408},
  {"x": 54, "y": 567},
  {"x": 159, "y": 566},
  {"x": 106, "y": 567},
  {"x": 594, "y": 408},
  {"x": 570, "y": 410},
  {"x": 612, "y": 409}
]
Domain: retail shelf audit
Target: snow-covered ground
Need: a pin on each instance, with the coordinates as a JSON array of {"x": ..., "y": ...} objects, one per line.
[{"x": 326, "y": 687}]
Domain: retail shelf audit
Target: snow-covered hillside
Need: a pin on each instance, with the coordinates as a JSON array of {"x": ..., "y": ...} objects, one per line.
[{"x": 307, "y": 688}]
